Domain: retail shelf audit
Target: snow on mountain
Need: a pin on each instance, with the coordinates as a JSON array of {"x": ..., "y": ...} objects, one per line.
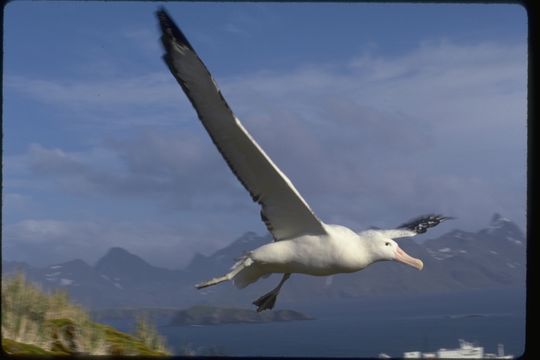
[{"x": 493, "y": 257}]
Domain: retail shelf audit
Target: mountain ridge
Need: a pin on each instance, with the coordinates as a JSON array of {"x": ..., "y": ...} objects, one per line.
[{"x": 457, "y": 260}]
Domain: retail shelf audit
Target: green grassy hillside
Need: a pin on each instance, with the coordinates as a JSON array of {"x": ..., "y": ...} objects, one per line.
[{"x": 38, "y": 323}]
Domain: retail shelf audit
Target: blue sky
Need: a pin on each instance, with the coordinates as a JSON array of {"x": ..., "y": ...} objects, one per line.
[{"x": 377, "y": 113}]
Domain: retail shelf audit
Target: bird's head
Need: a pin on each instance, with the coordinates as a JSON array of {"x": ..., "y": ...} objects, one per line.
[{"x": 386, "y": 248}]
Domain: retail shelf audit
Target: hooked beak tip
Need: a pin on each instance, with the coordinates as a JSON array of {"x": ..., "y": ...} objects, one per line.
[{"x": 403, "y": 257}]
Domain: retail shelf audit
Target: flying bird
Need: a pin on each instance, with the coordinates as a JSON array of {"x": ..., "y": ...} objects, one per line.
[{"x": 302, "y": 242}]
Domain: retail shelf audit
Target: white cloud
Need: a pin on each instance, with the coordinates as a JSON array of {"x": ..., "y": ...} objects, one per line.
[
  {"x": 177, "y": 168},
  {"x": 59, "y": 240},
  {"x": 232, "y": 28},
  {"x": 149, "y": 99},
  {"x": 372, "y": 141},
  {"x": 412, "y": 129},
  {"x": 44, "y": 230},
  {"x": 146, "y": 89}
]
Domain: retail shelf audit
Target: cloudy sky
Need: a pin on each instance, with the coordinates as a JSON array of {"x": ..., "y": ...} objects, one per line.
[{"x": 377, "y": 113}]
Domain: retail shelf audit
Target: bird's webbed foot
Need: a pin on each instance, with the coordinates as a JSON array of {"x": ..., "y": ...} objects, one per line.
[{"x": 267, "y": 301}]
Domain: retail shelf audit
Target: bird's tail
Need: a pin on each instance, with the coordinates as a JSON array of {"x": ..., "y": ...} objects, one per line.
[
  {"x": 244, "y": 272},
  {"x": 248, "y": 274}
]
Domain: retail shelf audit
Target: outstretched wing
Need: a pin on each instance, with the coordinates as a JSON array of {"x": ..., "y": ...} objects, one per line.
[
  {"x": 422, "y": 223},
  {"x": 414, "y": 227},
  {"x": 284, "y": 211}
]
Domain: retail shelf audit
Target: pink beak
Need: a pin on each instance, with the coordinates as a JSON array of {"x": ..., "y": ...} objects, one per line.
[{"x": 405, "y": 258}]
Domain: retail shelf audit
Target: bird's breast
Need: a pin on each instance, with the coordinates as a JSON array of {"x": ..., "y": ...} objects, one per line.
[{"x": 311, "y": 255}]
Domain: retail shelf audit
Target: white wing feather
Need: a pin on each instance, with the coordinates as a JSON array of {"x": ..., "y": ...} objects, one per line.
[{"x": 284, "y": 211}]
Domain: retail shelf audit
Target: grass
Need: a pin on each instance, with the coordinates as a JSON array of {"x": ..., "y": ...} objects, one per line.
[
  {"x": 13, "y": 347},
  {"x": 39, "y": 323}
]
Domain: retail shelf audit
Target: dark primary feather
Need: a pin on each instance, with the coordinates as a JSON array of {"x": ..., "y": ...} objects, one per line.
[
  {"x": 284, "y": 211},
  {"x": 422, "y": 223},
  {"x": 171, "y": 34},
  {"x": 169, "y": 28}
]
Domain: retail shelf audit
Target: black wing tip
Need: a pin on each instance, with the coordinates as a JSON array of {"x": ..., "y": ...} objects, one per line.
[
  {"x": 169, "y": 28},
  {"x": 422, "y": 223}
]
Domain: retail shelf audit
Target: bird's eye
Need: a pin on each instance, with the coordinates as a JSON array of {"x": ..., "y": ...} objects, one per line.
[{"x": 387, "y": 243}]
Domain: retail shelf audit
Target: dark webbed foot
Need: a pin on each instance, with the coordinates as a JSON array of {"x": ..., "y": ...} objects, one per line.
[{"x": 267, "y": 301}]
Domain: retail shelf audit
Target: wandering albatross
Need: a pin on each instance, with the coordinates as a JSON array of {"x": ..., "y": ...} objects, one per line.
[{"x": 302, "y": 243}]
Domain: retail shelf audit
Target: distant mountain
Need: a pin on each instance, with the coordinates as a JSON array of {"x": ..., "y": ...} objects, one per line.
[
  {"x": 202, "y": 266},
  {"x": 126, "y": 269},
  {"x": 118, "y": 279},
  {"x": 493, "y": 257}
]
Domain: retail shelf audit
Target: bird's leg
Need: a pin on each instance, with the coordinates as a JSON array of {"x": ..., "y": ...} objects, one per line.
[{"x": 268, "y": 300}]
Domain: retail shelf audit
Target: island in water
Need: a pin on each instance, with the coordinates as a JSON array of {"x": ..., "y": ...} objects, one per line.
[{"x": 212, "y": 315}]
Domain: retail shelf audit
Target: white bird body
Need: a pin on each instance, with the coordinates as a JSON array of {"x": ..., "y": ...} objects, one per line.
[
  {"x": 302, "y": 243},
  {"x": 340, "y": 251}
]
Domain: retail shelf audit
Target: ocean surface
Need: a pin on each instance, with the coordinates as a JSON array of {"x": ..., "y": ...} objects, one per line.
[{"x": 368, "y": 327}]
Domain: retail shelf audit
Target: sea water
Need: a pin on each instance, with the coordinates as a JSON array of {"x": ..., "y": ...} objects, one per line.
[{"x": 370, "y": 326}]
